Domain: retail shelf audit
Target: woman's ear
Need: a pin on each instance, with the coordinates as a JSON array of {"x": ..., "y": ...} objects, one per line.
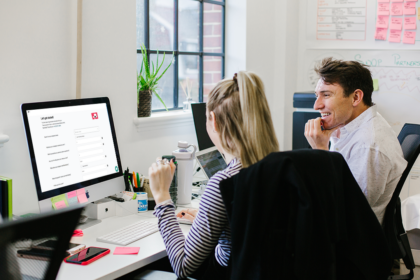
[{"x": 213, "y": 121}]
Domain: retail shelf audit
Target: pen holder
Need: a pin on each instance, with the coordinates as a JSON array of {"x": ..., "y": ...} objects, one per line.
[{"x": 126, "y": 208}]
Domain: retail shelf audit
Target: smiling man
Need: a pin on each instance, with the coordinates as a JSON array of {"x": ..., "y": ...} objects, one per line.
[{"x": 356, "y": 130}]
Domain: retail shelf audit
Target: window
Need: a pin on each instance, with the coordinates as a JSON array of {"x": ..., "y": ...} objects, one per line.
[{"x": 192, "y": 29}]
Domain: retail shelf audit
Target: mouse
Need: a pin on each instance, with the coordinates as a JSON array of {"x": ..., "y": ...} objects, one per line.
[{"x": 82, "y": 219}]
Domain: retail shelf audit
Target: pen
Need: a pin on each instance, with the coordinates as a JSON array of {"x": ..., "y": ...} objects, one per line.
[
  {"x": 130, "y": 185},
  {"x": 138, "y": 181},
  {"x": 134, "y": 179}
]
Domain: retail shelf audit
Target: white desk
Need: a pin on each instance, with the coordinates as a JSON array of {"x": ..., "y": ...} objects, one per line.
[{"x": 112, "y": 266}]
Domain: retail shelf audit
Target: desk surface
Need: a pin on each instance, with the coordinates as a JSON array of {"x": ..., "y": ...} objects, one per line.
[{"x": 112, "y": 266}]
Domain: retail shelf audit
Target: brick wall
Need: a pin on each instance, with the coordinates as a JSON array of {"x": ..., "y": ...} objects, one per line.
[{"x": 212, "y": 36}]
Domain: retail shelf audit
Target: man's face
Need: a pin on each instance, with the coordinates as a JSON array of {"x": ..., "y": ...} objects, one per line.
[{"x": 335, "y": 108}]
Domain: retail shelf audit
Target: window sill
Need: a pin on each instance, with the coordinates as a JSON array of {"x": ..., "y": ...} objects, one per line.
[{"x": 163, "y": 120}]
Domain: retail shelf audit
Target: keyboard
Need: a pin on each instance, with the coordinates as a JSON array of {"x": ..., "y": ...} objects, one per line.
[{"x": 129, "y": 234}]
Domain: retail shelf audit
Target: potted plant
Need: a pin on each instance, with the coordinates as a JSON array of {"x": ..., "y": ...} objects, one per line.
[{"x": 147, "y": 83}]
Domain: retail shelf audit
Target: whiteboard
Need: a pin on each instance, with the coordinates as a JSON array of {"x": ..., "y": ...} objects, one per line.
[{"x": 333, "y": 24}]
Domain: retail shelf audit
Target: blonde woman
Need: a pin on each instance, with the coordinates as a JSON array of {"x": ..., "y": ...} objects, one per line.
[{"x": 239, "y": 124}]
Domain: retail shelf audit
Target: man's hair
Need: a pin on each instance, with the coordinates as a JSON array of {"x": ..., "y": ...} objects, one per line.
[{"x": 350, "y": 75}]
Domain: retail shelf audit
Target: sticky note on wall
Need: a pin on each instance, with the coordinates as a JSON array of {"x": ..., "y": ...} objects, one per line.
[
  {"x": 409, "y": 8},
  {"x": 382, "y": 21},
  {"x": 396, "y": 23},
  {"x": 409, "y": 37},
  {"x": 395, "y": 36},
  {"x": 375, "y": 85},
  {"x": 397, "y": 9},
  {"x": 383, "y": 9},
  {"x": 410, "y": 23},
  {"x": 381, "y": 33}
]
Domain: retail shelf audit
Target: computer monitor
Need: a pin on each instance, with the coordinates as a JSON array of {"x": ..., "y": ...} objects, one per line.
[
  {"x": 72, "y": 145},
  {"x": 199, "y": 116}
]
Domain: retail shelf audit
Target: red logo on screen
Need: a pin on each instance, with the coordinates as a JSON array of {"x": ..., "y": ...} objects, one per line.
[{"x": 94, "y": 116}]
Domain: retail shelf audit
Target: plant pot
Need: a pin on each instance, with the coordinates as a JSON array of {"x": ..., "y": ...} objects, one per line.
[{"x": 144, "y": 107}]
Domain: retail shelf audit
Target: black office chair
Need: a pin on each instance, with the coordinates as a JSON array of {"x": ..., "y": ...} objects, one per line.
[
  {"x": 26, "y": 233},
  {"x": 398, "y": 243}
]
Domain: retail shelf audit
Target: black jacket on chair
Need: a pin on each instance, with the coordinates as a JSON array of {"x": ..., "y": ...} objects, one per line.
[{"x": 302, "y": 215}]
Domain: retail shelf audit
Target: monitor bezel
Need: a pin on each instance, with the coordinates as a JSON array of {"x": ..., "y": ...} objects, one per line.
[{"x": 67, "y": 103}]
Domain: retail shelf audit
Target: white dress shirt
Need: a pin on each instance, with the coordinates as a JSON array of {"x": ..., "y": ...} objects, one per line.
[{"x": 374, "y": 155}]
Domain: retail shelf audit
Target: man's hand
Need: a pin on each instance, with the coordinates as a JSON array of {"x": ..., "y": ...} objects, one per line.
[
  {"x": 318, "y": 138},
  {"x": 160, "y": 176}
]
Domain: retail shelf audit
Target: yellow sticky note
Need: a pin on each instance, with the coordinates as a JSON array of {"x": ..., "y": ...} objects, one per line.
[
  {"x": 375, "y": 84},
  {"x": 418, "y": 14},
  {"x": 61, "y": 200}
]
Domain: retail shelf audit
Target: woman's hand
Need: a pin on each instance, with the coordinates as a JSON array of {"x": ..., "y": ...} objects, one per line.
[
  {"x": 160, "y": 178},
  {"x": 188, "y": 214}
]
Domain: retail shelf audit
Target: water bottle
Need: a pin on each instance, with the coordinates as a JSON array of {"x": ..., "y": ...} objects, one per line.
[{"x": 185, "y": 159}]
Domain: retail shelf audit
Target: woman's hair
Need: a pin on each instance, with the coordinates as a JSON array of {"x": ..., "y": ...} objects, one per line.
[{"x": 243, "y": 117}]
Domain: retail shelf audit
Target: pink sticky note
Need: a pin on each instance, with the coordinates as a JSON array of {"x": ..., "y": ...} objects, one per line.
[
  {"x": 126, "y": 250},
  {"x": 410, "y": 0},
  {"x": 396, "y": 23},
  {"x": 80, "y": 191},
  {"x": 410, "y": 23},
  {"x": 82, "y": 198},
  {"x": 381, "y": 33},
  {"x": 71, "y": 194},
  {"x": 409, "y": 8},
  {"x": 382, "y": 22},
  {"x": 397, "y": 1},
  {"x": 383, "y": 1},
  {"x": 60, "y": 204},
  {"x": 409, "y": 37},
  {"x": 395, "y": 36},
  {"x": 397, "y": 9},
  {"x": 383, "y": 9}
]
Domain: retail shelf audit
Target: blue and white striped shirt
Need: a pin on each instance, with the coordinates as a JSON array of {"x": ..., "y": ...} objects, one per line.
[{"x": 210, "y": 229}]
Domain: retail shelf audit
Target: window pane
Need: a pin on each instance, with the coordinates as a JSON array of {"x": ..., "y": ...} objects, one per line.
[
  {"x": 188, "y": 25},
  {"x": 161, "y": 24},
  {"x": 212, "y": 28},
  {"x": 165, "y": 84},
  {"x": 188, "y": 78},
  {"x": 212, "y": 66},
  {"x": 140, "y": 22}
]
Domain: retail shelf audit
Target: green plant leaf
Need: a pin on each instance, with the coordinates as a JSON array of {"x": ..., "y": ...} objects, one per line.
[{"x": 158, "y": 96}]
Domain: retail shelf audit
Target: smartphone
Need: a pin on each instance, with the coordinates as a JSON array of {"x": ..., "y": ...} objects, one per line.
[
  {"x": 87, "y": 255},
  {"x": 51, "y": 244},
  {"x": 35, "y": 254}
]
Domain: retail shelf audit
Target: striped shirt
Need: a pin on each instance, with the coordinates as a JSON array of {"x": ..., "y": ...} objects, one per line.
[{"x": 210, "y": 229}]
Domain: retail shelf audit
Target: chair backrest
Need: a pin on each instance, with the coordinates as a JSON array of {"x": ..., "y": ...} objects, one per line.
[
  {"x": 21, "y": 235},
  {"x": 409, "y": 139}
]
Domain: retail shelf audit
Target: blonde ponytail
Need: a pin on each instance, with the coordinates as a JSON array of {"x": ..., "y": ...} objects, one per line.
[{"x": 243, "y": 118}]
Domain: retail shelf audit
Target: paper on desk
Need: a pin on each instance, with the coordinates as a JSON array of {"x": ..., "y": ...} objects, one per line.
[
  {"x": 126, "y": 250},
  {"x": 58, "y": 198},
  {"x": 410, "y": 212}
]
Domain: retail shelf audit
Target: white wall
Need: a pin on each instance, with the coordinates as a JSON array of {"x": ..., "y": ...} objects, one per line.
[
  {"x": 271, "y": 52},
  {"x": 37, "y": 63}
]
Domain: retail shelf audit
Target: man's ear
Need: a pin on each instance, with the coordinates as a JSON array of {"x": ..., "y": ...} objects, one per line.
[{"x": 357, "y": 97}]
